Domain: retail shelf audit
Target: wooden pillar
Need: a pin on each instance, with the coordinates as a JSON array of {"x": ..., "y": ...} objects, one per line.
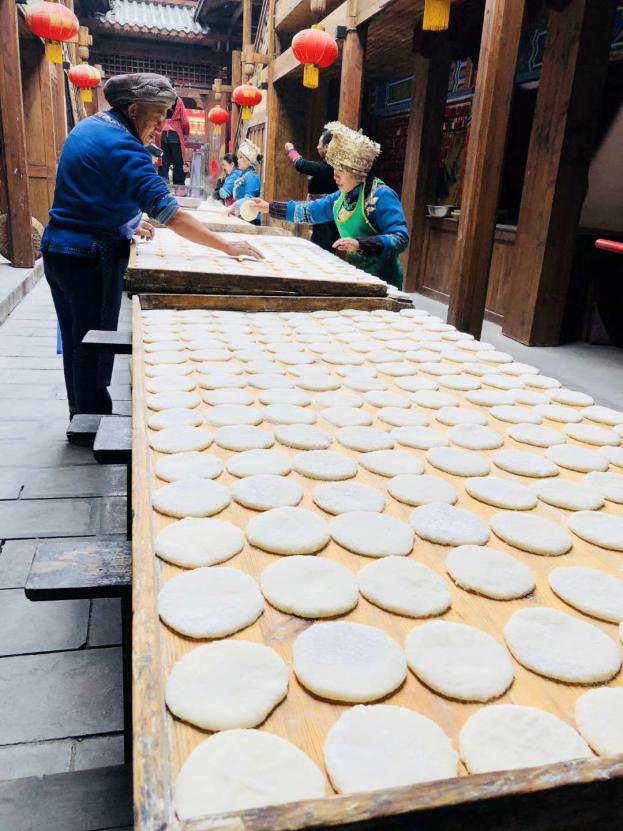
[
  {"x": 236, "y": 80},
  {"x": 351, "y": 82},
  {"x": 274, "y": 120},
  {"x": 561, "y": 145},
  {"x": 60, "y": 109},
  {"x": 428, "y": 103},
  {"x": 485, "y": 157},
  {"x": 14, "y": 139}
]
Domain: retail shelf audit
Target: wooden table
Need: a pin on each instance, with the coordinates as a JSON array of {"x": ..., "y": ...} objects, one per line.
[
  {"x": 581, "y": 794},
  {"x": 170, "y": 264}
]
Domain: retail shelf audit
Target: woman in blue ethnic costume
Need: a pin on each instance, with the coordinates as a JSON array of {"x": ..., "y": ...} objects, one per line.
[
  {"x": 248, "y": 184},
  {"x": 105, "y": 183},
  {"x": 232, "y": 173},
  {"x": 368, "y": 214}
]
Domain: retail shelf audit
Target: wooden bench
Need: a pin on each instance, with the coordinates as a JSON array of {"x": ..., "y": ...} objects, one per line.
[
  {"x": 102, "y": 340},
  {"x": 65, "y": 570},
  {"x": 113, "y": 446}
]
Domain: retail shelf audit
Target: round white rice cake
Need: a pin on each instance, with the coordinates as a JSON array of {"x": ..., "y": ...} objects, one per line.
[
  {"x": 536, "y": 435},
  {"x": 576, "y": 458},
  {"x": 599, "y": 717},
  {"x": 173, "y": 400},
  {"x": 187, "y": 466},
  {"x": 387, "y": 399},
  {"x": 559, "y": 646},
  {"x": 590, "y": 591},
  {"x": 160, "y": 370},
  {"x": 324, "y": 464},
  {"x": 288, "y": 414},
  {"x": 603, "y": 415},
  {"x": 420, "y": 438},
  {"x": 509, "y": 736},
  {"x": 338, "y": 399},
  {"x": 372, "y": 534},
  {"x": 391, "y": 463},
  {"x": 220, "y": 380},
  {"x": 531, "y": 533},
  {"x": 170, "y": 383},
  {"x": 302, "y": 437},
  {"x": 609, "y": 485},
  {"x": 453, "y": 416},
  {"x": 345, "y": 661},
  {"x": 458, "y": 462},
  {"x": 263, "y": 492},
  {"x": 382, "y": 746},
  {"x": 420, "y": 490},
  {"x": 253, "y": 462},
  {"x": 568, "y": 495},
  {"x": 399, "y": 417},
  {"x": 516, "y": 415},
  {"x": 216, "y": 397},
  {"x": 597, "y": 528},
  {"x": 491, "y": 573},
  {"x": 346, "y": 416},
  {"x": 403, "y": 586},
  {"x": 343, "y": 497},
  {"x": 288, "y": 530},
  {"x": 240, "y": 769},
  {"x": 572, "y": 398},
  {"x": 243, "y": 437},
  {"x": 462, "y": 383},
  {"x": 459, "y": 661},
  {"x": 613, "y": 454},
  {"x": 180, "y": 439},
  {"x": 364, "y": 439},
  {"x": 475, "y": 437},
  {"x": 318, "y": 382},
  {"x": 191, "y": 497},
  {"x": 592, "y": 434},
  {"x": 413, "y": 383},
  {"x": 268, "y": 381},
  {"x": 210, "y": 602},
  {"x": 529, "y": 397},
  {"x": 194, "y": 542},
  {"x": 446, "y": 525},
  {"x": 525, "y": 464},
  {"x": 309, "y": 587},
  {"x": 166, "y": 357},
  {"x": 224, "y": 415},
  {"x": 501, "y": 493},
  {"x": 434, "y": 400},
  {"x": 297, "y": 398},
  {"x": 488, "y": 398},
  {"x": 177, "y": 417},
  {"x": 541, "y": 382},
  {"x": 558, "y": 412},
  {"x": 226, "y": 685}
]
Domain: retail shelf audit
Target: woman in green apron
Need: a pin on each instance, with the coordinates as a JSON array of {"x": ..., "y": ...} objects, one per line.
[{"x": 368, "y": 214}]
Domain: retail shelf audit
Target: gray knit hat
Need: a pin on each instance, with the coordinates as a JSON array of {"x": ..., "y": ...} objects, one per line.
[{"x": 145, "y": 87}]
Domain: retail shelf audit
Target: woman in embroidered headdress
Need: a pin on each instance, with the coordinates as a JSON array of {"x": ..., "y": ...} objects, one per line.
[
  {"x": 368, "y": 214},
  {"x": 248, "y": 184}
]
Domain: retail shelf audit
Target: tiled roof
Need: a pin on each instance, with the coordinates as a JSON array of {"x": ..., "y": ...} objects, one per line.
[{"x": 142, "y": 15}]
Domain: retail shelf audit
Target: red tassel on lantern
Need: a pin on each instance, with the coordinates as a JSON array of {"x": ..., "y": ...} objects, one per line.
[
  {"x": 247, "y": 97},
  {"x": 218, "y": 116},
  {"x": 85, "y": 77},
  {"x": 55, "y": 23},
  {"x": 316, "y": 50}
]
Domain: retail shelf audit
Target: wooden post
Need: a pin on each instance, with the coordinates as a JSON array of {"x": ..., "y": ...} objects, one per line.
[
  {"x": 353, "y": 58},
  {"x": 273, "y": 114},
  {"x": 561, "y": 144},
  {"x": 485, "y": 156},
  {"x": 428, "y": 103},
  {"x": 236, "y": 80},
  {"x": 14, "y": 139}
]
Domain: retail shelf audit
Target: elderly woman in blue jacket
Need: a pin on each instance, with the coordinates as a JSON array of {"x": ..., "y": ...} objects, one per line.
[
  {"x": 105, "y": 183},
  {"x": 248, "y": 184},
  {"x": 367, "y": 213}
]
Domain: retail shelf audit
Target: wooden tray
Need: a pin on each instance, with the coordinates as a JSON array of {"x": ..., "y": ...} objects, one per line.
[
  {"x": 291, "y": 266},
  {"x": 583, "y": 794}
]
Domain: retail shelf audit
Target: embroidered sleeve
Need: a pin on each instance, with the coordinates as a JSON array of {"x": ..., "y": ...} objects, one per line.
[
  {"x": 371, "y": 247},
  {"x": 312, "y": 213},
  {"x": 165, "y": 211},
  {"x": 278, "y": 209}
]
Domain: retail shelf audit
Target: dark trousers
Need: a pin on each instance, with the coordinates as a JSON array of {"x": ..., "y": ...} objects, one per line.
[
  {"x": 87, "y": 295},
  {"x": 172, "y": 155}
]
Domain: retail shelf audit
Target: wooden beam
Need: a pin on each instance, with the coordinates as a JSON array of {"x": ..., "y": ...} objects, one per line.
[
  {"x": 485, "y": 157},
  {"x": 236, "y": 80},
  {"x": 556, "y": 180},
  {"x": 428, "y": 104},
  {"x": 273, "y": 113},
  {"x": 351, "y": 82},
  {"x": 14, "y": 139}
]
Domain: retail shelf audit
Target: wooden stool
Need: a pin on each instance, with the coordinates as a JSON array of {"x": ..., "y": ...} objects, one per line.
[
  {"x": 113, "y": 446},
  {"x": 119, "y": 343},
  {"x": 63, "y": 570}
]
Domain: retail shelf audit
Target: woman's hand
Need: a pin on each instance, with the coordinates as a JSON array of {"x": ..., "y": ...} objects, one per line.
[
  {"x": 231, "y": 210},
  {"x": 145, "y": 230},
  {"x": 243, "y": 249},
  {"x": 289, "y": 146},
  {"x": 261, "y": 204},
  {"x": 346, "y": 244}
]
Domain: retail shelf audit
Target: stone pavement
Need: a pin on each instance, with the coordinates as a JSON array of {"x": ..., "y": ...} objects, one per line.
[{"x": 60, "y": 662}]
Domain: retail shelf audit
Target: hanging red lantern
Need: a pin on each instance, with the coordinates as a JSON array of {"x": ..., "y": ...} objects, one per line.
[
  {"x": 218, "y": 116},
  {"x": 53, "y": 22},
  {"x": 214, "y": 166},
  {"x": 316, "y": 49},
  {"x": 247, "y": 96},
  {"x": 85, "y": 77}
]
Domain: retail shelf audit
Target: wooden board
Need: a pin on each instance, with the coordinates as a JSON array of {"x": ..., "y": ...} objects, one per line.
[
  {"x": 169, "y": 263},
  {"x": 162, "y": 743},
  {"x": 216, "y": 221},
  {"x": 272, "y": 303}
]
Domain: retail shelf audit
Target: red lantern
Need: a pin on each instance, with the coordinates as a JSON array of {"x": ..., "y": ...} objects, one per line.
[
  {"x": 247, "y": 97},
  {"x": 316, "y": 50},
  {"x": 55, "y": 23},
  {"x": 85, "y": 77},
  {"x": 218, "y": 116}
]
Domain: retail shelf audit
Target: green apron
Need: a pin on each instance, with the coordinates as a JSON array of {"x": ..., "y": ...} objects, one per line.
[{"x": 355, "y": 224}]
